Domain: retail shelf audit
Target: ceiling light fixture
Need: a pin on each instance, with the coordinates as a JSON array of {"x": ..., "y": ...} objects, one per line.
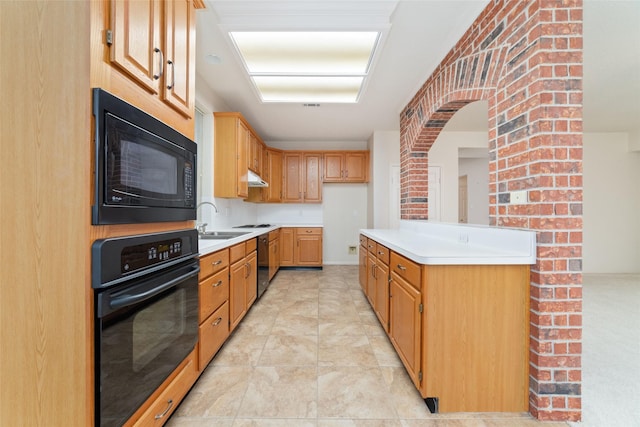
[{"x": 307, "y": 66}]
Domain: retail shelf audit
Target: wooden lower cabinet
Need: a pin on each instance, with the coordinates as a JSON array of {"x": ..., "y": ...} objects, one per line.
[
  {"x": 461, "y": 331},
  {"x": 243, "y": 289},
  {"x": 274, "y": 253},
  {"x": 405, "y": 324},
  {"x": 213, "y": 332},
  {"x": 169, "y": 399},
  {"x": 301, "y": 247}
]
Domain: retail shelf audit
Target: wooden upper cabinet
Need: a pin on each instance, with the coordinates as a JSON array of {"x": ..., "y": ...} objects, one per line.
[
  {"x": 136, "y": 40},
  {"x": 180, "y": 59},
  {"x": 231, "y": 142},
  {"x": 346, "y": 166},
  {"x": 153, "y": 42},
  {"x": 255, "y": 161},
  {"x": 302, "y": 177},
  {"x": 272, "y": 173},
  {"x": 292, "y": 177},
  {"x": 312, "y": 184}
]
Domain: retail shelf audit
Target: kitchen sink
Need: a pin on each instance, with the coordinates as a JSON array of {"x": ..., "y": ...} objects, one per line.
[{"x": 221, "y": 235}]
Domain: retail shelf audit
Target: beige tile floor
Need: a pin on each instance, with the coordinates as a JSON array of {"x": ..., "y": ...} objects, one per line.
[{"x": 311, "y": 353}]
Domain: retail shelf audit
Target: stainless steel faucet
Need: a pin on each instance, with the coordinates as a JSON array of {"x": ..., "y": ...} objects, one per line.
[{"x": 202, "y": 228}]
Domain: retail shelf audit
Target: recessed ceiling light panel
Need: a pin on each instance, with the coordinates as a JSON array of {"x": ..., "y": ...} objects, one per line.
[{"x": 307, "y": 66}]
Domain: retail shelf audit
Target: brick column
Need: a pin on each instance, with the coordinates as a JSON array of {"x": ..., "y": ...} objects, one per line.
[{"x": 525, "y": 59}]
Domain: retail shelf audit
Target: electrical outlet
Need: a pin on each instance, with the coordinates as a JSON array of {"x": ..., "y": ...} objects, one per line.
[
  {"x": 518, "y": 197},
  {"x": 352, "y": 250}
]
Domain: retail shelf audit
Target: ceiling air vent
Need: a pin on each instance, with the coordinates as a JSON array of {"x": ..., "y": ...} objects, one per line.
[{"x": 310, "y": 105}]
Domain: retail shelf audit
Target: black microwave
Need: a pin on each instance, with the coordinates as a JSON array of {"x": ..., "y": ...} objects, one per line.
[{"x": 145, "y": 171}]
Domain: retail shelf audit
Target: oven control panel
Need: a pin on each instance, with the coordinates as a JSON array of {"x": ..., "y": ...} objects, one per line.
[{"x": 140, "y": 256}]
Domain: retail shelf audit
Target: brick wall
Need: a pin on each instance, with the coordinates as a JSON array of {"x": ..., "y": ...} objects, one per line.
[{"x": 525, "y": 59}]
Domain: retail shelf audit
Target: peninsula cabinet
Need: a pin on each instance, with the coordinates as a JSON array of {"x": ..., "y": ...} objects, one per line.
[
  {"x": 301, "y": 180},
  {"x": 154, "y": 43},
  {"x": 232, "y": 139},
  {"x": 461, "y": 331},
  {"x": 346, "y": 166}
]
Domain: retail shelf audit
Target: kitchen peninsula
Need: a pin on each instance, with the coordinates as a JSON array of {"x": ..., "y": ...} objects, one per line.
[{"x": 454, "y": 301}]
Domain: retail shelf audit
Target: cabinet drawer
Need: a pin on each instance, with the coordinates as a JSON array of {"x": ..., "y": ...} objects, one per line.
[
  {"x": 212, "y": 334},
  {"x": 250, "y": 246},
  {"x": 237, "y": 252},
  {"x": 214, "y": 291},
  {"x": 363, "y": 241},
  {"x": 371, "y": 246},
  {"x": 170, "y": 398},
  {"x": 275, "y": 234},
  {"x": 213, "y": 263},
  {"x": 406, "y": 269},
  {"x": 306, "y": 231},
  {"x": 382, "y": 252}
]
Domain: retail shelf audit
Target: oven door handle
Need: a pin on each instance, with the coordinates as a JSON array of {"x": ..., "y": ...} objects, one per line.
[{"x": 127, "y": 299}]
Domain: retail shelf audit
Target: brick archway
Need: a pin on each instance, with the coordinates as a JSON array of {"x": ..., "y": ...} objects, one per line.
[{"x": 525, "y": 59}]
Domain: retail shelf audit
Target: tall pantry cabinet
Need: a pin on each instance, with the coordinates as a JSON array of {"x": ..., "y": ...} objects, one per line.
[{"x": 59, "y": 51}]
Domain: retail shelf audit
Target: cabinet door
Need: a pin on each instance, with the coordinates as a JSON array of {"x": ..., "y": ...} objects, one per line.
[
  {"x": 251, "y": 278},
  {"x": 242, "y": 148},
  {"x": 333, "y": 167},
  {"x": 405, "y": 325},
  {"x": 371, "y": 279},
  {"x": 179, "y": 81},
  {"x": 287, "y": 244},
  {"x": 381, "y": 296},
  {"x": 292, "y": 176},
  {"x": 136, "y": 40},
  {"x": 356, "y": 167},
  {"x": 308, "y": 251},
  {"x": 312, "y": 178},
  {"x": 237, "y": 293},
  {"x": 274, "y": 176}
]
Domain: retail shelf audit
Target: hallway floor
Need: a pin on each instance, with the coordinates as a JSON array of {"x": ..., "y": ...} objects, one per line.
[{"x": 311, "y": 353}]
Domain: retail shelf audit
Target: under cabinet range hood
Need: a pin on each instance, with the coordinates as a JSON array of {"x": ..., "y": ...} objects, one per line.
[{"x": 255, "y": 181}]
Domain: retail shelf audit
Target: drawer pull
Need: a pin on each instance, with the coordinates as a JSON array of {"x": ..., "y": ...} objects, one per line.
[
  {"x": 218, "y": 262},
  {"x": 308, "y": 231},
  {"x": 170, "y": 405},
  {"x": 218, "y": 283},
  {"x": 380, "y": 253},
  {"x": 401, "y": 267},
  {"x": 217, "y": 321}
]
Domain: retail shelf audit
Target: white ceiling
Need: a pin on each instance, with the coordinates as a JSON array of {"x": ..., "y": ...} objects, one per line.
[{"x": 417, "y": 35}]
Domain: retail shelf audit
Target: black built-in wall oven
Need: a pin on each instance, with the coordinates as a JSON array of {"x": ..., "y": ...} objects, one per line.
[
  {"x": 146, "y": 317},
  {"x": 145, "y": 171}
]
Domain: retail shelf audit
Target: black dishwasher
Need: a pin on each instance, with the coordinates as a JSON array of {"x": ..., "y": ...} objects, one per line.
[{"x": 263, "y": 263}]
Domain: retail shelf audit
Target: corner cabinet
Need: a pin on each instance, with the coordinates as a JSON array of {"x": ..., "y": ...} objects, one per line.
[
  {"x": 153, "y": 42},
  {"x": 231, "y": 151},
  {"x": 461, "y": 331}
]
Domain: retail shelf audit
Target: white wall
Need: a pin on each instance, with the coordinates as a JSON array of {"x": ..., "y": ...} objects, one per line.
[
  {"x": 230, "y": 211},
  {"x": 445, "y": 153},
  {"x": 384, "y": 151},
  {"x": 611, "y": 202},
  {"x": 345, "y": 213}
]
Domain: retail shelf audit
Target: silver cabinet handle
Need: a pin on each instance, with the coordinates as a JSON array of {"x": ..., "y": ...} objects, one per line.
[
  {"x": 173, "y": 74},
  {"x": 218, "y": 262},
  {"x": 217, "y": 321},
  {"x": 401, "y": 267},
  {"x": 170, "y": 405},
  {"x": 215, "y": 285},
  {"x": 161, "y": 62}
]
